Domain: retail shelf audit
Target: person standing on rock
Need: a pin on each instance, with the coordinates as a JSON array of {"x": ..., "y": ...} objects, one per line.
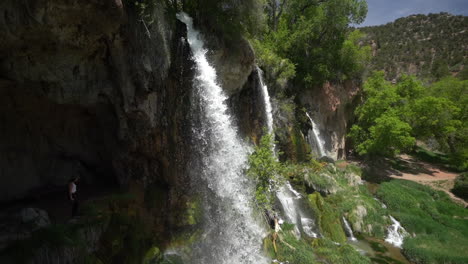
[{"x": 72, "y": 194}]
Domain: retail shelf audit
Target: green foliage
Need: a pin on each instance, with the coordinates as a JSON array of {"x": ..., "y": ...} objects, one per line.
[
  {"x": 312, "y": 38},
  {"x": 388, "y": 137},
  {"x": 461, "y": 186},
  {"x": 281, "y": 68},
  {"x": 381, "y": 128},
  {"x": 354, "y": 57},
  {"x": 339, "y": 254},
  {"x": 265, "y": 169},
  {"x": 439, "y": 225},
  {"x": 227, "y": 18},
  {"x": 293, "y": 250},
  {"x": 392, "y": 116},
  {"x": 451, "y": 126},
  {"x": 435, "y": 117},
  {"x": 327, "y": 218}
]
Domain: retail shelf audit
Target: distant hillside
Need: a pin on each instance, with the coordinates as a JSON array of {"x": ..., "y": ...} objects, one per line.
[{"x": 429, "y": 46}]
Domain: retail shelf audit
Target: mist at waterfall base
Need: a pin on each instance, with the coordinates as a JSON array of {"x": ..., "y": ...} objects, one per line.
[{"x": 231, "y": 234}]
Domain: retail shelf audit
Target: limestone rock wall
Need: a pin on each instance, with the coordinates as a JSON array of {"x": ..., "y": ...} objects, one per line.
[
  {"x": 331, "y": 106},
  {"x": 87, "y": 90}
]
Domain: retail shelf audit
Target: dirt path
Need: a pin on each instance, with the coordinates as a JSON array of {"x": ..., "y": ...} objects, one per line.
[{"x": 430, "y": 175}]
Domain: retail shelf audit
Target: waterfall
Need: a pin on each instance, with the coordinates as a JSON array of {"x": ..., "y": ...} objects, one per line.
[
  {"x": 319, "y": 141},
  {"x": 288, "y": 197},
  {"x": 396, "y": 233},
  {"x": 348, "y": 229},
  {"x": 267, "y": 102},
  {"x": 231, "y": 234}
]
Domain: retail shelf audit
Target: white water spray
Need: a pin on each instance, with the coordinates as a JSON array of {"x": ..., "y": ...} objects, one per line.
[
  {"x": 396, "y": 233},
  {"x": 318, "y": 140},
  {"x": 232, "y": 235},
  {"x": 348, "y": 229},
  {"x": 288, "y": 197},
  {"x": 266, "y": 98}
]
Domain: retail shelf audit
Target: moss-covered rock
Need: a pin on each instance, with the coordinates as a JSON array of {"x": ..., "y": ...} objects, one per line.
[{"x": 327, "y": 218}]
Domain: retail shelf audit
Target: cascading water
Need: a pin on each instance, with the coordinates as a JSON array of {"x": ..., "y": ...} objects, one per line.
[
  {"x": 266, "y": 98},
  {"x": 231, "y": 233},
  {"x": 348, "y": 229},
  {"x": 318, "y": 141},
  {"x": 396, "y": 233},
  {"x": 288, "y": 197}
]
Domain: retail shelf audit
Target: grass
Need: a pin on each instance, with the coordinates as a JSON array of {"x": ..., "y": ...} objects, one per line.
[
  {"x": 328, "y": 219},
  {"x": 440, "y": 226},
  {"x": 304, "y": 251},
  {"x": 339, "y": 254}
]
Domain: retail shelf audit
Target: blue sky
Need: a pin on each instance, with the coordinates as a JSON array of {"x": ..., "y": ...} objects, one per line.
[{"x": 384, "y": 11}]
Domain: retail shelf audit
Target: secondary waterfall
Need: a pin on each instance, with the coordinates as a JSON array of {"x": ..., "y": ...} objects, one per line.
[
  {"x": 318, "y": 140},
  {"x": 396, "y": 233},
  {"x": 348, "y": 230},
  {"x": 287, "y": 196},
  {"x": 231, "y": 234},
  {"x": 267, "y": 102}
]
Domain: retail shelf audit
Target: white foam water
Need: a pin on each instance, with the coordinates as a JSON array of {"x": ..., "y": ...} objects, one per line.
[
  {"x": 286, "y": 194},
  {"x": 396, "y": 233},
  {"x": 348, "y": 230},
  {"x": 231, "y": 235},
  {"x": 318, "y": 140},
  {"x": 267, "y": 101}
]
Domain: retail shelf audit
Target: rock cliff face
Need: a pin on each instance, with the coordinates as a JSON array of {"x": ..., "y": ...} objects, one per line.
[
  {"x": 86, "y": 90},
  {"x": 331, "y": 107}
]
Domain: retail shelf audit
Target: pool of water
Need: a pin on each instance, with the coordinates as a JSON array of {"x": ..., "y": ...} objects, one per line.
[{"x": 379, "y": 251}]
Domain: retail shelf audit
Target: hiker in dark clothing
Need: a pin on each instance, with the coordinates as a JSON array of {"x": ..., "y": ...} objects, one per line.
[{"x": 72, "y": 194}]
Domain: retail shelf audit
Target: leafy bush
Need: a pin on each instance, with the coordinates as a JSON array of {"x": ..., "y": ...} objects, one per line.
[
  {"x": 461, "y": 186},
  {"x": 265, "y": 169}
]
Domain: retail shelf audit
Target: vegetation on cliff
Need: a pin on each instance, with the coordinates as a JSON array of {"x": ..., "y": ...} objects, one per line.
[{"x": 428, "y": 46}]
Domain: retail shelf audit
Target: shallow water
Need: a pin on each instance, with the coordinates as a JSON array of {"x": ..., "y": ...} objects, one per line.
[{"x": 390, "y": 254}]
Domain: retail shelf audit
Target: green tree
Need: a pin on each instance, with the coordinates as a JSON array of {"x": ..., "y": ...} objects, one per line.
[
  {"x": 380, "y": 128},
  {"x": 354, "y": 56},
  {"x": 387, "y": 137},
  {"x": 311, "y": 34},
  {"x": 435, "y": 117}
]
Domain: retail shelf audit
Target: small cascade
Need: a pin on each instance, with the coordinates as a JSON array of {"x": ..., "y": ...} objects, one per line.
[
  {"x": 287, "y": 200},
  {"x": 396, "y": 233},
  {"x": 348, "y": 230},
  {"x": 267, "y": 102},
  {"x": 382, "y": 204},
  {"x": 317, "y": 139},
  {"x": 308, "y": 226},
  {"x": 231, "y": 234},
  {"x": 288, "y": 197}
]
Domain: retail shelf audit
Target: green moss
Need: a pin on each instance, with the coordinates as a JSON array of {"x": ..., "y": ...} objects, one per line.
[
  {"x": 293, "y": 250},
  {"x": 338, "y": 254},
  {"x": 377, "y": 247},
  {"x": 153, "y": 255},
  {"x": 327, "y": 218},
  {"x": 300, "y": 145}
]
